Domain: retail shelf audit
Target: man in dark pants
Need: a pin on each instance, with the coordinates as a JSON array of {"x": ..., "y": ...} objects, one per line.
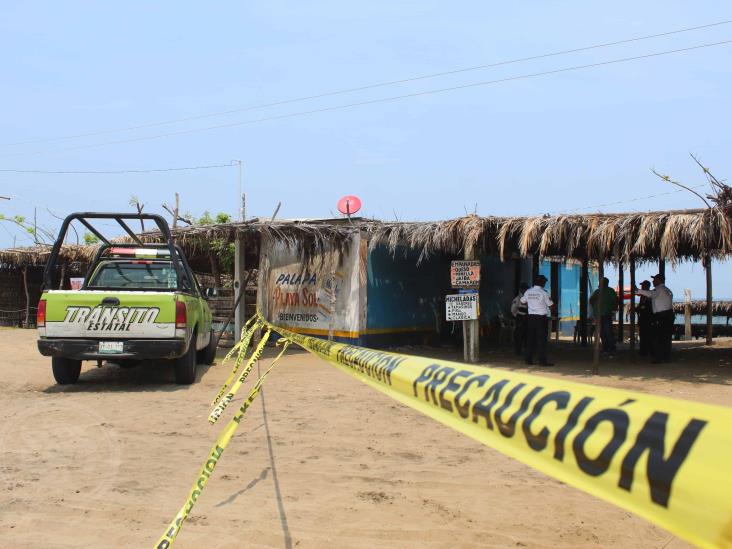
[
  {"x": 604, "y": 301},
  {"x": 663, "y": 318},
  {"x": 539, "y": 304},
  {"x": 645, "y": 318},
  {"x": 519, "y": 311}
]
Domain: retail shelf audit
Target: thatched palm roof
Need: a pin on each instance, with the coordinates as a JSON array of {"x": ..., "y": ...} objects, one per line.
[
  {"x": 673, "y": 235},
  {"x": 698, "y": 307},
  {"x": 36, "y": 256},
  {"x": 645, "y": 236}
]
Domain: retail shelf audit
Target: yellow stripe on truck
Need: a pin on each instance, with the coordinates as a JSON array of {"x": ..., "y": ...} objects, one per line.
[{"x": 667, "y": 460}]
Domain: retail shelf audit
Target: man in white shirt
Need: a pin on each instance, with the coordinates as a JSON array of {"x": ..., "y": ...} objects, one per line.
[
  {"x": 539, "y": 307},
  {"x": 662, "y": 301}
]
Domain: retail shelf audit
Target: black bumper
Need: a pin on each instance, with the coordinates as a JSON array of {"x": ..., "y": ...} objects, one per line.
[{"x": 133, "y": 349}]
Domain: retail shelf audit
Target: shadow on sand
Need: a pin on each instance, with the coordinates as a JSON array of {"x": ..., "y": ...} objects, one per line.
[{"x": 692, "y": 362}]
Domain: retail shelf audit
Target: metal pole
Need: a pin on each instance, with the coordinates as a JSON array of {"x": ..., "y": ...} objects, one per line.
[{"x": 242, "y": 202}]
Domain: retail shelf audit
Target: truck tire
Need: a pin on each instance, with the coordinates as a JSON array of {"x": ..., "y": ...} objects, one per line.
[
  {"x": 65, "y": 370},
  {"x": 185, "y": 366},
  {"x": 207, "y": 355}
]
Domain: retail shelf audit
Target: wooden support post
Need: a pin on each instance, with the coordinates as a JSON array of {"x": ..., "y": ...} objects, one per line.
[
  {"x": 621, "y": 303},
  {"x": 596, "y": 351},
  {"x": 662, "y": 267},
  {"x": 687, "y": 314},
  {"x": 239, "y": 288},
  {"x": 584, "y": 275},
  {"x": 516, "y": 275},
  {"x": 555, "y": 296},
  {"x": 631, "y": 267},
  {"x": 62, "y": 277},
  {"x": 710, "y": 303},
  {"x": 471, "y": 328},
  {"x": 27, "y": 296},
  {"x": 534, "y": 268}
]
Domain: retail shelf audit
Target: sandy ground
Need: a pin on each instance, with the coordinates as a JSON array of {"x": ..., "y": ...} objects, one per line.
[{"x": 320, "y": 461}]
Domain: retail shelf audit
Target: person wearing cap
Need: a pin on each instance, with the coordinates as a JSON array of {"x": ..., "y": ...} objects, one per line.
[
  {"x": 604, "y": 301},
  {"x": 663, "y": 318},
  {"x": 645, "y": 319},
  {"x": 539, "y": 306},
  {"x": 519, "y": 311}
]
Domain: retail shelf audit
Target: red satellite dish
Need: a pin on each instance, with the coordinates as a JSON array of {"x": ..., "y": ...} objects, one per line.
[{"x": 349, "y": 205}]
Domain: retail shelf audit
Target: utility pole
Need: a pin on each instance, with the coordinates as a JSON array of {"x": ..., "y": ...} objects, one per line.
[{"x": 242, "y": 199}]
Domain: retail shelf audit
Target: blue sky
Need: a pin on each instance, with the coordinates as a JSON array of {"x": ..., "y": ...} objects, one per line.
[{"x": 569, "y": 141}]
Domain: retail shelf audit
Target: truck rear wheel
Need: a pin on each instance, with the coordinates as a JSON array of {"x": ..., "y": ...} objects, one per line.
[
  {"x": 207, "y": 355},
  {"x": 65, "y": 370},
  {"x": 185, "y": 366}
]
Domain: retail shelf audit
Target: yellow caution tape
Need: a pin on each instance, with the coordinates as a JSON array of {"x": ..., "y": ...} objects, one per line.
[
  {"x": 221, "y": 406},
  {"x": 222, "y": 441},
  {"x": 241, "y": 349},
  {"x": 667, "y": 460}
]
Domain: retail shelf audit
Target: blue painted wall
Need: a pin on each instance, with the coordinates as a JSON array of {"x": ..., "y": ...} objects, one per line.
[
  {"x": 406, "y": 302},
  {"x": 403, "y": 297},
  {"x": 569, "y": 292}
]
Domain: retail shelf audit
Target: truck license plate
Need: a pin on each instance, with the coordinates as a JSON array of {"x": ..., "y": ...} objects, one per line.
[{"x": 111, "y": 347}]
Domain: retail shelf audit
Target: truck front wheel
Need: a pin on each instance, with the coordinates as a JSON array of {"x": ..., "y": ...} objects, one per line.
[
  {"x": 185, "y": 366},
  {"x": 65, "y": 370}
]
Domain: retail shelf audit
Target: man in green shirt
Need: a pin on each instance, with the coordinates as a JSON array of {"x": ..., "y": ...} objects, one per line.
[{"x": 604, "y": 301}]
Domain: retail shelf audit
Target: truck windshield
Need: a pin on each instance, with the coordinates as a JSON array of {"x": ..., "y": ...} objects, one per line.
[{"x": 147, "y": 275}]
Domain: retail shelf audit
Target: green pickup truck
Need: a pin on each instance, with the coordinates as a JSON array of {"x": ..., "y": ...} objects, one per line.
[{"x": 139, "y": 301}]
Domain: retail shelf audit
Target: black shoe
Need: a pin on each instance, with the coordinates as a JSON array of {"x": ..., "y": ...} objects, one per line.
[{"x": 546, "y": 364}]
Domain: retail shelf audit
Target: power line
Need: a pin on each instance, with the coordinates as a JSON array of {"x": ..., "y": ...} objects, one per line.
[
  {"x": 627, "y": 201},
  {"x": 381, "y": 100},
  {"x": 105, "y": 172},
  {"x": 368, "y": 86}
]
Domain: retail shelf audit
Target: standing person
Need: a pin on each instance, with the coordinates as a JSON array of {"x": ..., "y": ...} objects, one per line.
[
  {"x": 537, "y": 329},
  {"x": 604, "y": 301},
  {"x": 645, "y": 319},
  {"x": 663, "y": 318},
  {"x": 519, "y": 311}
]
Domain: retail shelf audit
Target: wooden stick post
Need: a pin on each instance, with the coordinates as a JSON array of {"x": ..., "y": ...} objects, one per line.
[
  {"x": 584, "y": 275},
  {"x": 596, "y": 317},
  {"x": 62, "y": 278},
  {"x": 27, "y": 296},
  {"x": 621, "y": 303},
  {"x": 556, "y": 296},
  {"x": 687, "y": 314},
  {"x": 471, "y": 328},
  {"x": 631, "y": 267},
  {"x": 710, "y": 303}
]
